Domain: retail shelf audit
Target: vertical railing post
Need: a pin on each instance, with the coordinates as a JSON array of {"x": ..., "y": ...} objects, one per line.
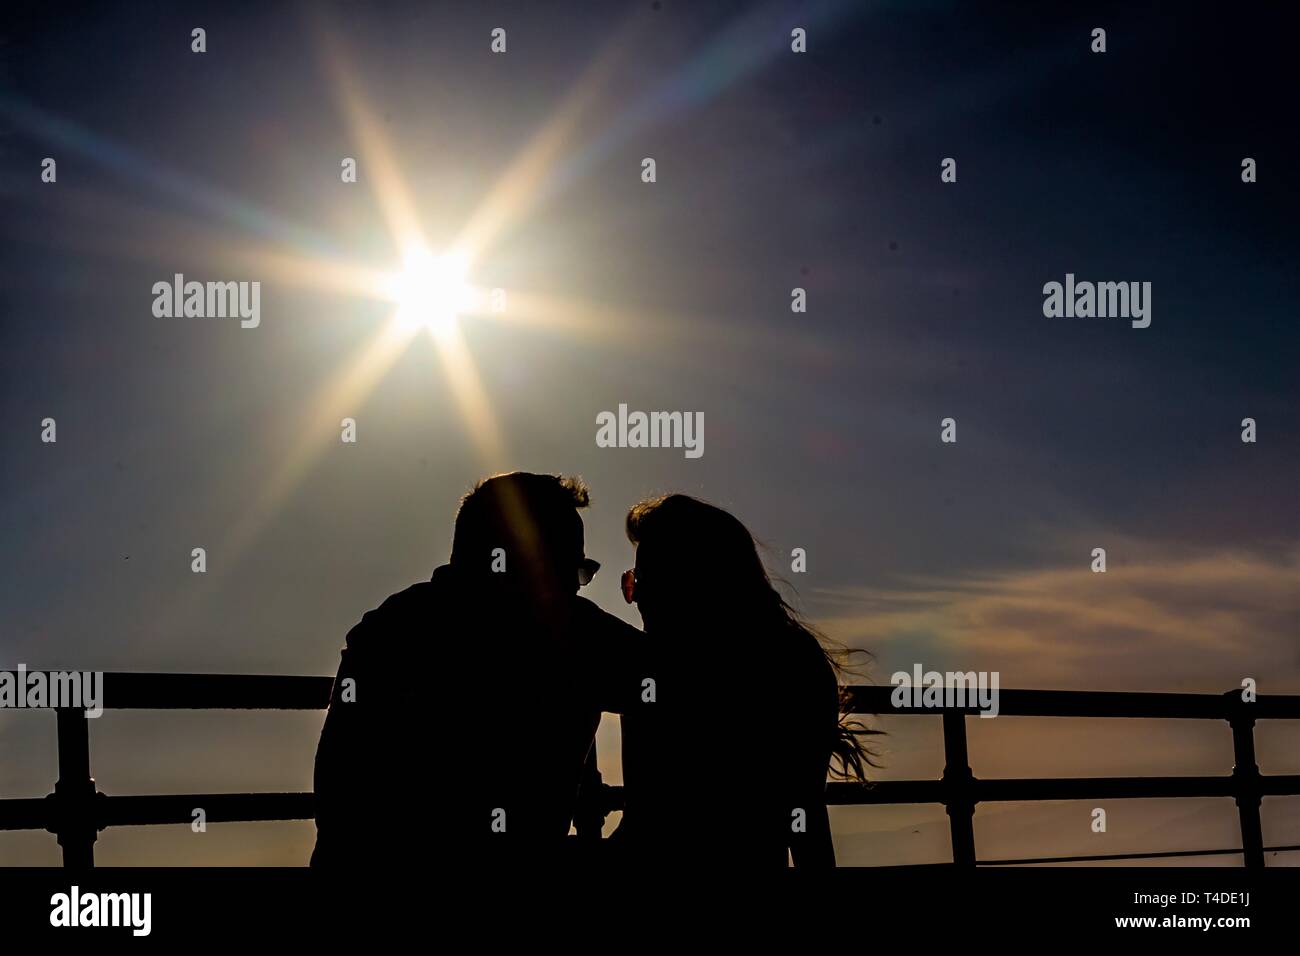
[
  {"x": 74, "y": 793},
  {"x": 958, "y": 785},
  {"x": 1245, "y": 777}
]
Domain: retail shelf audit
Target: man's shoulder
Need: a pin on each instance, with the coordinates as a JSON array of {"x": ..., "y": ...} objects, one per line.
[{"x": 406, "y": 608}]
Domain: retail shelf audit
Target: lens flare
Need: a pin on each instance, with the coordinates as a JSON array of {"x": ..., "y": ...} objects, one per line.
[{"x": 431, "y": 291}]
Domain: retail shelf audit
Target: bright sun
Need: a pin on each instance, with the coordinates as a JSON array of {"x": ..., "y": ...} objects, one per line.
[{"x": 431, "y": 291}]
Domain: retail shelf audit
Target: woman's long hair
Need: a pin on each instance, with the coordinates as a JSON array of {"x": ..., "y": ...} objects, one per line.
[{"x": 737, "y": 583}]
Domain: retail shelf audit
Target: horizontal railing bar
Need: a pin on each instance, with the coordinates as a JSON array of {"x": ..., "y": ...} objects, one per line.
[
  {"x": 1007, "y": 790},
  {"x": 1013, "y": 789},
  {"x": 291, "y": 692},
  {"x": 127, "y": 691},
  {"x": 871, "y": 699},
  {"x": 1279, "y": 784},
  {"x": 34, "y": 814},
  {"x": 217, "y": 808},
  {"x": 161, "y": 809},
  {"x": 1129, "y": 856},
  {"x": 885, "y": 791},
  {"x": 25, "y": 814},
  {"x": 216, "y": 691}
]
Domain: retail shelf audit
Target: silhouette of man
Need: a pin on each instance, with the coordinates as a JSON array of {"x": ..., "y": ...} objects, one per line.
[{"x": 465, "y": 706}]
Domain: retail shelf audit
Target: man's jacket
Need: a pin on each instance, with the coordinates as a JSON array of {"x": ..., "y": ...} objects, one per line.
[{"x": 458, "y": 727}]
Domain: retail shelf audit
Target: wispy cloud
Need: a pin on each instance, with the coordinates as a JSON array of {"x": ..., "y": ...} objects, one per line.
[{"x": 1164, "y": 622}]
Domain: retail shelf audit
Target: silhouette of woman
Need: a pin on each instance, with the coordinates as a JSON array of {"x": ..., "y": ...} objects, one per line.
[{"x": 726, "y": 756}]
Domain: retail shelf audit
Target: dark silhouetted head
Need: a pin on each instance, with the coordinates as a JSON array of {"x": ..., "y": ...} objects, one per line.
[
  {"x": 521, "y": 532},
  {"x": 695, "y": 564}
]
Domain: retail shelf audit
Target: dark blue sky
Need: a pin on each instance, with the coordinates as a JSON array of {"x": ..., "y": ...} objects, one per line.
[{"x": 775, "y": 170}]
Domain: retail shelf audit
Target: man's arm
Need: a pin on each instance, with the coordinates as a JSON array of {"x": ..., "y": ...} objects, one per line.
[
  {"x": 342, "y": 743},
  {"x": 350, "y": 755},
  {"x": 616, "y": 653}
]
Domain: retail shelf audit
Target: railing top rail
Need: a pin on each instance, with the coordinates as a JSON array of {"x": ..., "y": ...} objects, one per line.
[
  {"x": 870, "y": 699},
  {"x": 148, "y": 691},
  {"x": 161, "y": 691}
]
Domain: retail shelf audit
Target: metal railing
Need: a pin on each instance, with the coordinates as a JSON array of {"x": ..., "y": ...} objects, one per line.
[
  {"x": 76, "y": 811},
  {"x": 959, "y": 790}
]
